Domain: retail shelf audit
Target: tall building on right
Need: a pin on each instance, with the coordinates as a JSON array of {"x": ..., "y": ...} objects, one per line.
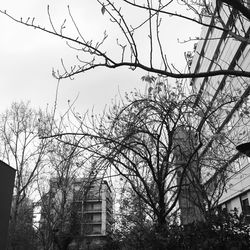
[{"x": 223, "y": 45}]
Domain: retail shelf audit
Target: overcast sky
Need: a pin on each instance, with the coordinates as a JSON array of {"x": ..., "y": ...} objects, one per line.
[{"x": 27, "y": 56}]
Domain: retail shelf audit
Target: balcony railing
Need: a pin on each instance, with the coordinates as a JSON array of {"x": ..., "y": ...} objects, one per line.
[
  {"x": 93, "y": 233},
  {"x": 93, "y": 197},
  {"x": 92, "y": 210},
  {"x": 246, "y": 210},
  {"x": 89, "y": 221}
]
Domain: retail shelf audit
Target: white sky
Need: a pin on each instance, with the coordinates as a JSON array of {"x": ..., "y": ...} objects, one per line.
[{"x": 27, "y": 56}]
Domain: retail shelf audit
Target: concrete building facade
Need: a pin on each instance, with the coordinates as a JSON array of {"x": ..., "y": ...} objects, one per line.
[
  {"x": 87, "y": 214},
  {"x": 188, "y": 176},
  {"x": 217, "y": 50},
  {"x": 94, "y": 207}
]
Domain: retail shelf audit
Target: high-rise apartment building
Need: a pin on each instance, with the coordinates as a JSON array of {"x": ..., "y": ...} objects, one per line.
[
  {"x": 218, "y": 49},
  {"x": 80, "y": 210},
  {"x": 93, "y": 205}
]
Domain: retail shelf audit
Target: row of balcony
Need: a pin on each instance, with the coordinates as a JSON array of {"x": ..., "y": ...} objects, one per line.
[
  {"x": 94, "y": 210},
  {"x": 92, "y": 222},
  {"x": 79, "y": 196}
]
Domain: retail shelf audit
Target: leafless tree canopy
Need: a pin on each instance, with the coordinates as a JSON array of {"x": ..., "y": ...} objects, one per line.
[
  {"x": 60, "y": 221},
  {"x": 22, "y": 149},
  {"x": 162, "y": 143}
]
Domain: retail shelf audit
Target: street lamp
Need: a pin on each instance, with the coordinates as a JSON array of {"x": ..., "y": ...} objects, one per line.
[{"x": 244, "y": 148}]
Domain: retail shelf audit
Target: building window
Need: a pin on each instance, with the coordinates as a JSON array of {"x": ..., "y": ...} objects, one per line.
[
  {"x": 245, "y": 209},
  {"x": 232, "y": 20},
  {"x": 216, "y": 55},
  {"x": 77, "y": 206},
  {"x": 96, "y": 229},
  {"x": 245, "y": 206},
  {"x": 78, "y": 195},
  {"x": 93, "y": 229},
  {"x": 88, "y": 217}
]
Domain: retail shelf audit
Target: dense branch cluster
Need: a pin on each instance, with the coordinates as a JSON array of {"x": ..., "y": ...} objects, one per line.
[{"x": 161, "y": 142}]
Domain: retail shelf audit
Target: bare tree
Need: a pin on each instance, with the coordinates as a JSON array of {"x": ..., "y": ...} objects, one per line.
[
  {"x": 61, "y": 218},
  {"x": 149, "y": 28},
  {"x": 160, "y": 144},
  {"x": 22, "y": 149}
]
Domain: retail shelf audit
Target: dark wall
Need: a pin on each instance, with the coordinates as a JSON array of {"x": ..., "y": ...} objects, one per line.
[{"x": 7, "y": 178}]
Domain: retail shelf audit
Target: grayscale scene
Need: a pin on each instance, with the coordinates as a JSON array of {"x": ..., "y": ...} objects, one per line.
[{"x": 125, "y": 125}]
